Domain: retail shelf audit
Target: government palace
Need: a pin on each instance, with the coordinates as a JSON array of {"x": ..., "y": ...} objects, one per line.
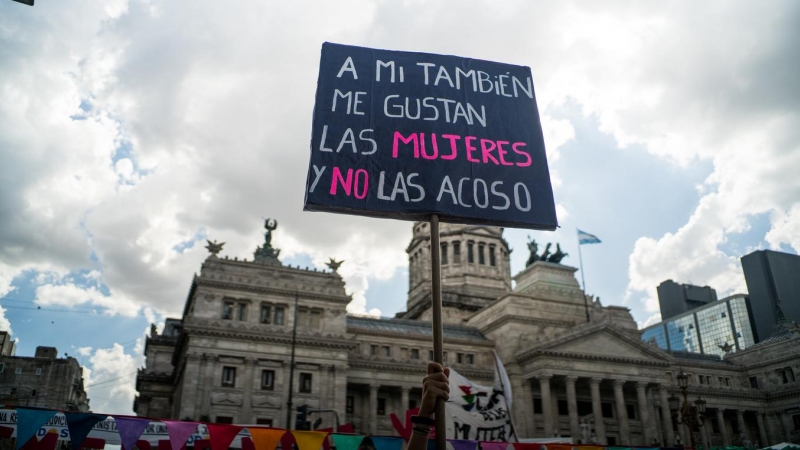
[{"x": 578, "y": 369}]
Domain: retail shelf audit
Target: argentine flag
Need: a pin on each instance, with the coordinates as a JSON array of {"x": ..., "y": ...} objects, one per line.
[{"x": 586, "y": 238}]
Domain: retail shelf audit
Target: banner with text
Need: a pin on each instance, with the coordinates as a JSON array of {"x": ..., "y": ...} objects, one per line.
[
  {"x": 405, "y": 135},
  {"x": 479, "y": 413}
]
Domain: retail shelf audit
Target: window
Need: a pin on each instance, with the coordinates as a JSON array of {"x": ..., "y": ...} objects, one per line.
[
  {"x": 470, "y": 358},
  {"x": 227, "y": 311},
  {"x": 444, "y": 253},
  {"x": 584, "y": 408},
  {"x": 607, "y": 409},
  {"x": 266, "y": 314},
  {"x": 563, "y": 408},
  {"x": 229, "y": 376},
  {"x": 278, "y": 315},
  {"x": 492, "y": 258},
  {"x": 373, "y": 350},
  {"x": 460, "y": 358},
  {"x": 470, "y": 252},
  {"x": 481, "y": 257},
  {"x": 381, "y": 407},
  {"x": 430, "y": 355},
  {"x": 702, "y": 379},
  {"x": 537, "y": 405},
  {"x": 444, "y": 357},
  {"x": 754, "y": 382},
  {"x": 38, "y": 371},
  {"x": 224, "y": 419},
  {"x": 350, "y": 406},
  {"x": 456, "y": 252},
  {"x": 18, "y": 370},
  {"x": 268, "y": 379},
  {"x": 242, "y": 312},
  {"x": 387, "y": 351},
  {"x": 631, "y": 411},
  {"x": 412, "y": 403},
  {"x": 414, "y": 353},
  {"x": 2, "y": 367},
  {"x": 33, "y": 393},
  {"x": 796, "y": 421},
  {"x": 263, "y": 421},
  {"x": 305, "y": 383}
]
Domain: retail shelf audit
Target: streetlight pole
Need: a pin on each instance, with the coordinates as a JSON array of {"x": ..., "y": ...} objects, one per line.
[
  {"x": 687, "y": 414},
  {"x": 291, "y": 367}
]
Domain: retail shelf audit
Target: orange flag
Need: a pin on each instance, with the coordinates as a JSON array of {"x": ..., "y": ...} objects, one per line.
[
  {"x": 309, "y": 440},
  {"x": 266, "y": 438}
]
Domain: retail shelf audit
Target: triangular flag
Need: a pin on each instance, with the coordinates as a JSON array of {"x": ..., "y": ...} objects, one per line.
[
  {"x": 555, "y": 447},
  {"x": 528, "y": 446},
  {"x": 308, "y": 440},
  {"x": 387, "y": 443},
  {"x": 222, "y": 435},
  {"x": 347, "y": 441},
  {"x": 179, "y": 432},
  {"x": 494, "y": 445},
  {"x": 266, "y": 438},
  {"x": 130, "y": 430},
  {"x": 80, "y": 424},
  {"x": 463, "y": 444},
  {"x": 28, "y": 423}
]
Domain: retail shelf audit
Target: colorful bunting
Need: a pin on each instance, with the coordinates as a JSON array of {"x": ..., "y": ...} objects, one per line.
[
  {"x": 463, "y": 444},
  {"x": 130, "y": 429},
  {"x": 28, "y": 423},
  {"x": 494, "y": 445},
  {"x": 266, "y": 438},
  {"x": 308, "y": 440},
  {"x": 222, "y": 435},
  {"x": 80, "y": 424},
  {"x": 555, "y": 447},
  {"x": 529, "y": 446},
  {"x": 347, "y": 441},
  {"x": 387, "y": 443},
  {"x": 179, "y": 432}
]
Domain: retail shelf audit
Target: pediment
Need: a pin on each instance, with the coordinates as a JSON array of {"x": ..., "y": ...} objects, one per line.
[
  {"x": 263, "y": 401},
  {"x": 604, "y": 341},
  {"x": 226, "y": 398}
]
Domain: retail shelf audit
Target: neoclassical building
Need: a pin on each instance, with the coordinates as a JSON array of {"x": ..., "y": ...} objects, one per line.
[{"x": 227, "y": 359}]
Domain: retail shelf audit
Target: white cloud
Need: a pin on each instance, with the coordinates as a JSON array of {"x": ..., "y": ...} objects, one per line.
[
  {"x": 110, "y": 377},
  {"x": 198, "y": 122}
]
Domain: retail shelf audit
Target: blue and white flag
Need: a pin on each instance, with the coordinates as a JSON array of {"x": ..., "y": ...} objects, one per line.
[{"x": 586, "y": 238}]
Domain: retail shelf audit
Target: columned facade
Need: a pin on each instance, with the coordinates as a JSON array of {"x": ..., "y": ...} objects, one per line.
[{"x": 227, "y": 358}]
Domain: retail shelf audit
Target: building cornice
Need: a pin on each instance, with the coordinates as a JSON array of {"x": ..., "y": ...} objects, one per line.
[
  {"x": 267, "y": 289},
  {"x": 525, "y": 320},
  {"x": 319, "y": 340},
  {"x": 421, "y": 338},
  {"x": 409, "y": 366},
  {"x": 541, "y": 353}
]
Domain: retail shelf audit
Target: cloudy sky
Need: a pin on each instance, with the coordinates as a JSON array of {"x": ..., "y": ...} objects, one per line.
[{"x": 132, "y": 130}]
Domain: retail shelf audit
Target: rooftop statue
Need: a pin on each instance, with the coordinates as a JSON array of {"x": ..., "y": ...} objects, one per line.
[
  {"x": 334, "y": 264},
  {"x": 267, "y": 254},
  {"x": 546, "y": 255},
  {"x": 558, "y": 255},
  {"x": 214, "y": 247}
]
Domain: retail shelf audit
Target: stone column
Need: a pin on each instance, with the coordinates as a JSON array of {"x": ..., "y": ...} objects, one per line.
[
  {"x": 787, "y": 424},
  {"x": 740, "y": 421},
  {"x": 704, "y": 437},
  {"x": 247, "y": 391},
  {"x": 373, "y": 409},
  {"x": 404, "y": 394},
  {"x": 572, "y": 404},
  {"x": 597, "y": 412},
  {"x": 547, "y": 408},
  {"x": 762, "y": 431},
  {"x": 523, "y": 409},
  {"x": 622, "y": 413},
  {"x": 644, "y": 414},
  {"x": 666, "y": 417},
  {"x": 726, "y": 440}
]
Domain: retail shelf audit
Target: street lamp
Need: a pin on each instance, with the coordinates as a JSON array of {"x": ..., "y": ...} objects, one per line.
[{"x": 687, "y": 414}]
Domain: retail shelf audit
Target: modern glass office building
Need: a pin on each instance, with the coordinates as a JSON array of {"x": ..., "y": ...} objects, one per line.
[{"x": 706, "y": 329}]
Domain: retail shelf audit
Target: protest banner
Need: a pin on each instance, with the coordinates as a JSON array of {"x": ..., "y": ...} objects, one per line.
[{"x": 406, "y": 135}]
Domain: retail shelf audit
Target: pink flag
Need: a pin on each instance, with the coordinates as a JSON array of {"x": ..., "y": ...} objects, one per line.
[{"x": 179, "y": 432}]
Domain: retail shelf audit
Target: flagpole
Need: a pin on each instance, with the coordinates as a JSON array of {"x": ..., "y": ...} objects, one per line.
[
  {"x": 436, "y": 324},
  {"x": 583, "y": 279}
]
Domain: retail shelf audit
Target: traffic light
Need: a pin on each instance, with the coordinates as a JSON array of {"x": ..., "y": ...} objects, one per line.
[{"x": 301, "y": 420}]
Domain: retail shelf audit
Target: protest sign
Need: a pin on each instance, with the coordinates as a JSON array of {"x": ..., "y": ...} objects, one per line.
[{"x": 406, "y": 135}]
